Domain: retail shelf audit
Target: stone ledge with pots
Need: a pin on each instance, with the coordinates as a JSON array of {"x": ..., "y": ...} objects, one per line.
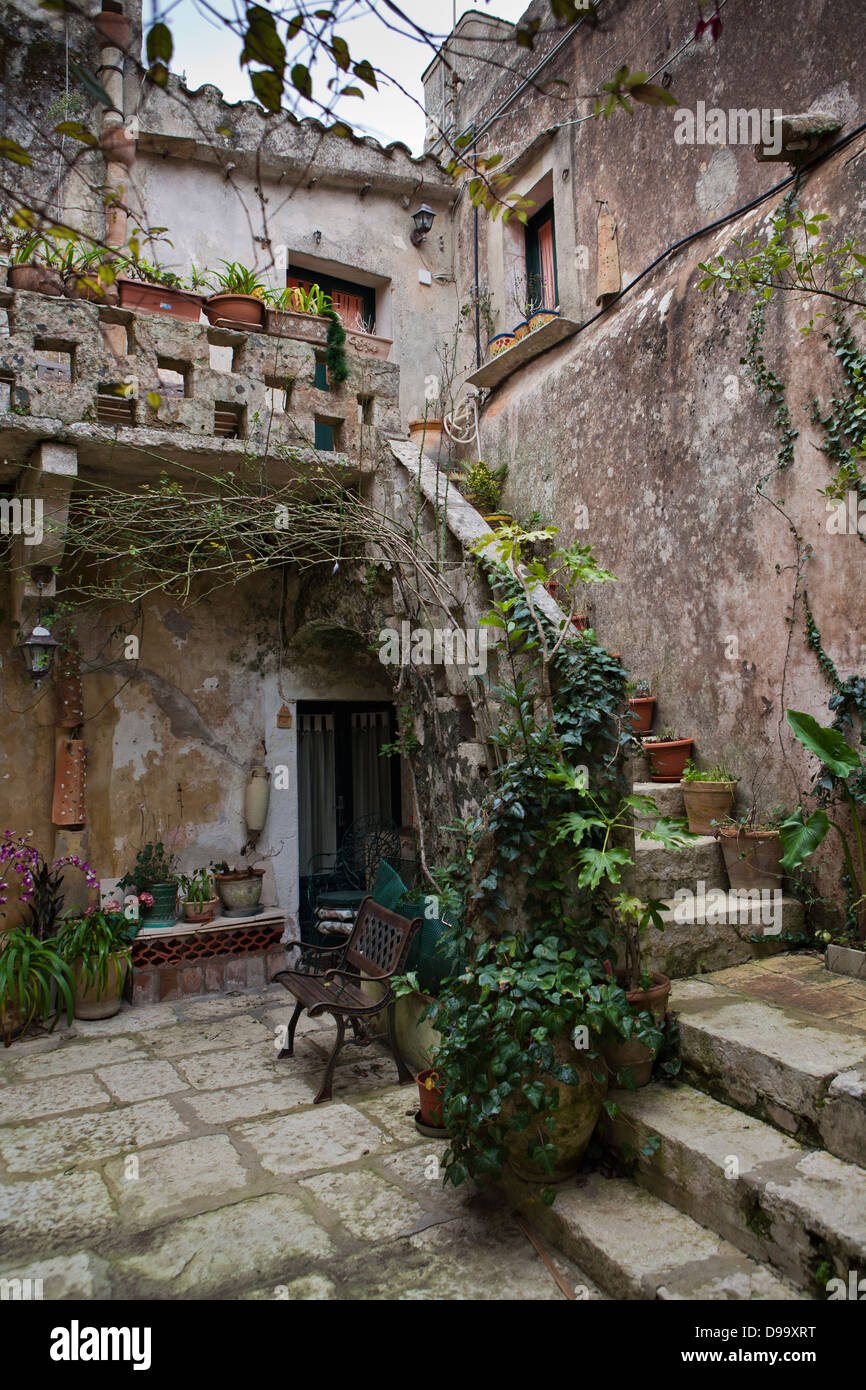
[
  {"x": 524, "y": 350},
  {"x": 195, "y": 958}
]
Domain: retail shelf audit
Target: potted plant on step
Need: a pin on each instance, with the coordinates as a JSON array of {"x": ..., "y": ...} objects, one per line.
[
  {"x": 482, "y": 487},
  {"x": 29, "y": 267},
  {"x": 238, "y": 300},
  {"x": 642, "y": 705},
  {"x": 752, "y": 848},
  {"x": 155, "y": 880},
  {"x": 668, "y": 755},
  {"x": 200, "y": 903},
  {"x": 708, "y": 795},
  {"x": 95, "y": 944},
  {"x": 240, "y": 889}
]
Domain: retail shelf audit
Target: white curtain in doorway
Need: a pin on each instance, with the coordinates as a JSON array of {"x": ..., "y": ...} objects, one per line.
[
  {"x": 317, "y": 808},
  {"x": 371, "y": 773}
]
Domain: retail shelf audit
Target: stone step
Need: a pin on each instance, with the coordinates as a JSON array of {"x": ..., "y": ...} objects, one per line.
[
  {"x": 711, "y": 931},
  {"x": 635, "y": 1246},
  {"x": 667, "y": 796},
  {"x": 804, "y": 1074},
  {"x": 801, "y": 1210},
  {"x": 660, "y": 872}
]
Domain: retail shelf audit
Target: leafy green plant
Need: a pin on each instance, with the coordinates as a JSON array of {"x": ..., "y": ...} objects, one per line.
[
  {"x": 719, "y": 773},
  {"x": 300, "y": 300},
  {"x": 30, "y": 971},
  {"x": 46, "y": 901},
  {"x": 197, "y": 887},
  {"x": 96, "y": 941},
  {"x": 238, "y": 279},
  {"x": 480, "y": 485},
  {"x": 153, "y": 864},
  {"x": 842, "y": 778}
]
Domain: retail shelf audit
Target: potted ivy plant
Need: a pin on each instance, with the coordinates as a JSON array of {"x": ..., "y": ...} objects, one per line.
[
  {"x": 95, "y": 944},
  {"x": 668, "y": 754},
  {"x": 154, "y": 878},
  {"x": 238, "y": 298},
  {"x": 200, "y": 903},
  {"x": 708, "y": 796}
]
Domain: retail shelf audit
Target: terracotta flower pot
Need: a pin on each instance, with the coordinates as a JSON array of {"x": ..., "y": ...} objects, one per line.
[
  {"x": 669, "y": 759},
  {"x": 156, "y": 299},
  {"x": 428, "y": 435},
  {"x": 431, "y": 1099},
  {"x": 575, "y": 1117},
  {"x": 642, "y": 710},
  {"x": 500, "y": 343},
  {"x": 634, "y": 1054},
  {"x": 235, "y": 311},
  {"x": 581, "y": 621},
  {"x": 753, "y": 858},
  {"x": 38, "y": 279},
  {"x": 87, "y": 286},
  {"x": 90, "y": 1001},
  {"x": 201, "y": 912},
  {"x": 706, "y": 802},
  {"x": 114, "y": 29}
]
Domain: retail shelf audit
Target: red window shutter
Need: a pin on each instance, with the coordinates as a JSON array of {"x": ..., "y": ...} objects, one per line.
[{"x": 548, "y": 269}]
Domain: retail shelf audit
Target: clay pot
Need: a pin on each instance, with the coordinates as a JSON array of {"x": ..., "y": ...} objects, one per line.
[
  {"x": 114, "y": 30},
  {"x": 500, "y": 343},
  {"x": 235, "y": 311},
  {"x": 642, "y": 710},
  {"x": 576, "y": 1117},
  {"x": 90, "y": 1002},
  {"x": 156, "y": 299},
  {"x": 201, "y": 912},
  {"x": 87, "y": 286},
  {"x": 431, "y": 1099},
  {"x": 428, "y": 435},
  {"x": 240, "y": 892},
  {"x": 706, "y": 802},
  {"x": 39, "y": 279},
  {"x": 581, "y": 621},
  {"x": 634, "y": 1054},
  {"x": 669, "y": 759},
  {"x": 753, "y": 858}
]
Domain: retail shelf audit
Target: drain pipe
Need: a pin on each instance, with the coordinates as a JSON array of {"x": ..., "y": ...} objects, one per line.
[{"x": 114, "y": 32}]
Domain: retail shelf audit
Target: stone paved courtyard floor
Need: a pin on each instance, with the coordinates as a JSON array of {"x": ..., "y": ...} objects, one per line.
[{"x": 166, "y": 1153}]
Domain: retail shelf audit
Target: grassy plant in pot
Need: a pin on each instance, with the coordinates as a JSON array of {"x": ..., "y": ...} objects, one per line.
[
  {"x": 95, "y": 944},
  {"x": 36, "y": 983},
  {"x": 200, "y": 903},
  {"x": 708, "y": 796},
  {"x": 154, "y": 878},
  {"x": 483, "y": 488},
  {"x": 238, "y": 300},
  {"x": 642, "y": 705},
  {"x": 752, "y": 848},
  {"x": 668, "y": 754}
]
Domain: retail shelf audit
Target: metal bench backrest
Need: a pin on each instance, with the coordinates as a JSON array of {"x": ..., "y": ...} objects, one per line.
[{"x": 380, "y": 941}]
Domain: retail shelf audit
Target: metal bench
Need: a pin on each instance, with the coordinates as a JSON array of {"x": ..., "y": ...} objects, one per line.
[{"x": 329, "y": 979}]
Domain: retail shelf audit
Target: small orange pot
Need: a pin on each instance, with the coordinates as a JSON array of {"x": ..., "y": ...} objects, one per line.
[
  {"x": 235, "y": 311},
  {"x": 431, "y": 1098},
  {"x": 642, "y": 709},
  {"x": 669, "y": 759}
]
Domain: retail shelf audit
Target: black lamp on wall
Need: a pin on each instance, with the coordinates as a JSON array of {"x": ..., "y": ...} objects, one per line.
[
  {"x": 423, "y": 220},
  {"x": 37, "y": 650}
]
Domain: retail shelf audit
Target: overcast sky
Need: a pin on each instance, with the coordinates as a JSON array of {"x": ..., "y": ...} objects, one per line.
[{"x": 207, "y": 52}]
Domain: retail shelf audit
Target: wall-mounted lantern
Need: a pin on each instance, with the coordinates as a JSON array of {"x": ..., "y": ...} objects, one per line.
[
  {"x": 423, "y": 220},
  {"x": 37, "y": 650}
]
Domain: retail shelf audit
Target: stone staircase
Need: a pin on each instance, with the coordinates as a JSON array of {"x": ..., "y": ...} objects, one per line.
[
  {"x": 703, "y": 930},
  {"x": 757, "y": 1189}
]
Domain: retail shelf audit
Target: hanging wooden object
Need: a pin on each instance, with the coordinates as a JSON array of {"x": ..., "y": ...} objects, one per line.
[
  {"x": 609, "y": 277},
  {"x": 69, "y": 783},
  {"x": 70, "y": 702}
]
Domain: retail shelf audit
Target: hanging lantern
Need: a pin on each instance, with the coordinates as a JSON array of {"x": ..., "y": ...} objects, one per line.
[
  {"x": 38, "y": 651},
  {"x": 423, "y": 220}
]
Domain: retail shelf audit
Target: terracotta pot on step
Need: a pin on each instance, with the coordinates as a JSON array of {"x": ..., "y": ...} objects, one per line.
[
  {"x": 642, "y": 710},
  {"x": 706, "y": 802},
  {"x": 635, "y": 1054},
  {"x": 235, "y": 311},
  {"x": 753, "y": 858},
  {"x": 431, "y": 1097},
  {"x": 38, "y": 279},
  {"x": 91, "y": 1001},
  {"x": 669, "y": 759},
  {"x": 201, "y": 912}
]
